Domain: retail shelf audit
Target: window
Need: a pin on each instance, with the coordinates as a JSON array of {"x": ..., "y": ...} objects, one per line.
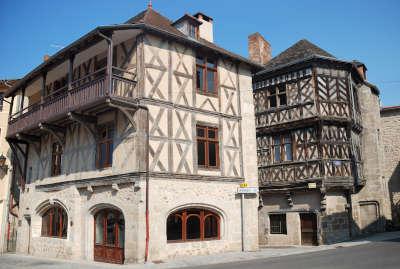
[
  {"x": 105, "y": 147},
  {"x": 283, "y": 148},
  {"x": 277, "y": 96},
  {"x": 277, "y": 223},
  {"x": 207, "y": 147},
  {"x": 192, "y": 30},
  {"x": 56, "y": 159},
  {"x": 55, "y": 222},
  {"x": 1, "y": 101},
  {"x": 193, "y": 224},
  {"x": 206, "y": 75}
]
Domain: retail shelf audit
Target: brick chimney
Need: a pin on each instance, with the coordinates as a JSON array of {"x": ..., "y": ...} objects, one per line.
[
  {"x": 206, "y": 26},
  {"x": 46, "y": 57},
  {"x": 259, "y": 49}
]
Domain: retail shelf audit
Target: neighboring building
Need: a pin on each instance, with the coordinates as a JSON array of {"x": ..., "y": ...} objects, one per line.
[
  {"x": 390, "y": 135},
  {"x": 93, "y": 187},
  {"x": 7, "y": 203},
  {"x": 316, "y": 116}
]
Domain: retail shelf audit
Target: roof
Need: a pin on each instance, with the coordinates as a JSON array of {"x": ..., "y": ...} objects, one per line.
[
  {"x": 301, "y": 50},
  {"x": 147, "y": 20},
  {"x": 189, "y": 18},
  {"x": 152, "y": 18},
  {"x": 6, "y": 84},
  {"x": 390, "y": 109}
]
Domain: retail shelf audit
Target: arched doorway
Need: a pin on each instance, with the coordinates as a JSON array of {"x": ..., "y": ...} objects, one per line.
[{"x": 109, "y": 236}]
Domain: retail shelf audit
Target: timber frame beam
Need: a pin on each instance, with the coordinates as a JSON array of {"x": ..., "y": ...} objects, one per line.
[
  {"x": 57, "y": 131},
  {"x": 87, "y": 121}
]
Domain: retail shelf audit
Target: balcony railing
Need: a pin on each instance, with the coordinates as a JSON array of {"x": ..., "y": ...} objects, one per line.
[{"x": 85, "y": 91}]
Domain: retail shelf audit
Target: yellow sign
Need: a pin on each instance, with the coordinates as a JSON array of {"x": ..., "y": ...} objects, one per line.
[
  {"x": 312, "y": 185},
  {"x": 244, "y": 185}
]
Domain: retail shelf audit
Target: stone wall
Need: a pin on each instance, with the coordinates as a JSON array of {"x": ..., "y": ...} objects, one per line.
[
  {"x": 375, "y": 192},
  {"x": 390, "y": 133},
  {"x": 335, "y": 219}
]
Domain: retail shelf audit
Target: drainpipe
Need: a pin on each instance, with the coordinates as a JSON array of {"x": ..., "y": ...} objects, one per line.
[{"x": 146, "y": 254}]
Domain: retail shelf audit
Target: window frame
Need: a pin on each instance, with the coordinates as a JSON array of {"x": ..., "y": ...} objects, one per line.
[
  {"x": 51, "y": 212},
  {"x": 203, "y": 214},
  {"x": 205, "y": 68},
  {"x": 277, "y": 95},
  {"x": 56, "y": 159},
  {"x": 109, "y": 142},
  {"x": 282, "y": 220},
  {"x": 282, "y": 147},
  {"x": 207, "y": 141},
  {"x": 1, "y": 101}
]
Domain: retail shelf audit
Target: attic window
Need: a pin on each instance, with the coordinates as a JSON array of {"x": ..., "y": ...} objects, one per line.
[{"x": 192, "y": 30}]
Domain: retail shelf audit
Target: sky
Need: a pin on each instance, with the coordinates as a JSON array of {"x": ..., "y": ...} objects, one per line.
[{"x": 367, "y": 30}]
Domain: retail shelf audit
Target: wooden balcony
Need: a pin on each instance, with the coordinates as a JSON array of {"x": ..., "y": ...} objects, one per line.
[
  {"x": 85, "y": 93},
  {"x": 334, "y": 172}
]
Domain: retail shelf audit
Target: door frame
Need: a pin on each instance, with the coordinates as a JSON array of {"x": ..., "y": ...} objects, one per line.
[
  {"x": 315, "y": 239},
  {"x": 107, "y": 248}
]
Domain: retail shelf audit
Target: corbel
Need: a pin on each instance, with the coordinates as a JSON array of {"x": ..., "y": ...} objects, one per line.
[{"x": 288, "y": 196}]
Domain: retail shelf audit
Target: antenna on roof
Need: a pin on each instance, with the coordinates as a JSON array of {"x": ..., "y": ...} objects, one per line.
[{"x": 150, "y": 5}]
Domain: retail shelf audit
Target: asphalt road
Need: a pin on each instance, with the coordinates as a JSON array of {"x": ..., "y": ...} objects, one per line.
[{"x": 376, "y": 255}]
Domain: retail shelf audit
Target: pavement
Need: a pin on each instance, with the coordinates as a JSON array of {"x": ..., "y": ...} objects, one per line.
[{"x": 369, "y": 248}]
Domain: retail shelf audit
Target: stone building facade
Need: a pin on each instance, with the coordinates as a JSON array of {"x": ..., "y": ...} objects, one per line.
[
  {"x": 316, "y": 118},
  {"x": 133, "y": 141},
  {"x": 390, "y": 136},
  {"x": 7, "y": 210}
]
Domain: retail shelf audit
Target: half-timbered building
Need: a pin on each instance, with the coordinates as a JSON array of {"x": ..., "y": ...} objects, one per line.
[
  {"x": 130, "y": 144},
  {"x": 319, "y": 182}
]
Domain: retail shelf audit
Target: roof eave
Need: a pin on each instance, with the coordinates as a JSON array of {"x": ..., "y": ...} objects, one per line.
[{"x": 62, "y": 53}]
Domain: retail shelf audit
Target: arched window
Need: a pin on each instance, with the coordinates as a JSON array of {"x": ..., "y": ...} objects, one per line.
[
  {"x": 193, "y": 224},
  {"x": 55, "y": 222}
]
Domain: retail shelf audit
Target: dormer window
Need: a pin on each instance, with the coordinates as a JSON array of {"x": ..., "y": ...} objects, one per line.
[{"x": 188, "y": 25}]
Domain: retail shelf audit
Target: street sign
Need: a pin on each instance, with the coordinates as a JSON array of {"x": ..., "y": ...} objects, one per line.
[
  {"x": 247, "y": 190},
  {"x": 244, "y": 185},
  {"x": 312, "y": 185}
]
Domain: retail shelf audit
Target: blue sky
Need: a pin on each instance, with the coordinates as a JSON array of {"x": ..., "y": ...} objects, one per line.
[{"x": 365, "y": 30}]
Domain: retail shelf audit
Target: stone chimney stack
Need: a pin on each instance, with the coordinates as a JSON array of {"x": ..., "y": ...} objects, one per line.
[
  {"x": 206, "y": 26},
  {"x": 46, "y": 57},
  {"x": 259, "y": 49}
]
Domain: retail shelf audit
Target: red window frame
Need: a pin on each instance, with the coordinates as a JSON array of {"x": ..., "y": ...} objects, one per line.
[
  {"x": 50, "y": 213},
  {"x": 205, "y": 68},
  {"x": 56, "y": 156},
  {"x": 202, "y": 214},
  {"x": 207, "y": 141},
  {"x": 107, "y": 140}
]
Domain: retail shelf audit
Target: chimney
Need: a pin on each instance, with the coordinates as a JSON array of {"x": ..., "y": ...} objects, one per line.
[
  {"x": 259, "y": 49},
  {"x": 46, "y": 57},
  {"x": 206, "y": 26},
  {"x": 361, "y": 68}
]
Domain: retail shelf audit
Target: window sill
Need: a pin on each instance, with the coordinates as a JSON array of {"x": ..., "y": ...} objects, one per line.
[
  {"x": 53, "y": 237},
  {"x": 207, "y": 94},
  {"x": 205, "y": 168},
  {"x": 192, "y": 240}
]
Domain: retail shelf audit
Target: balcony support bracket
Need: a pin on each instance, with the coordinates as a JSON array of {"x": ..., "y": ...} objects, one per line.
[
  {"x": 86, "y": 121},
  {"x": 33, "y": 140},
  {"x": 57, "y": 131}
]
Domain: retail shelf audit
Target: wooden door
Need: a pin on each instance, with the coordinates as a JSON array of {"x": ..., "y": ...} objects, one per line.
[
  {"x": 109, "y": 236},
  {"x": 308, "y": 225}
]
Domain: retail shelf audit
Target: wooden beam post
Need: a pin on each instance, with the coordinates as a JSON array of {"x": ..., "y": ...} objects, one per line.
[
  {"x": 43, "y": 90},
  {"x": 11, "y": 107},
  {"x": 70, "y": 72},
  {"x": 22, "y": 100}
]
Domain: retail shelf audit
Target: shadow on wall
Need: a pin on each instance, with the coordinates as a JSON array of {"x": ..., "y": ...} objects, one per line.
[{"x": 394, "y": 190}]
